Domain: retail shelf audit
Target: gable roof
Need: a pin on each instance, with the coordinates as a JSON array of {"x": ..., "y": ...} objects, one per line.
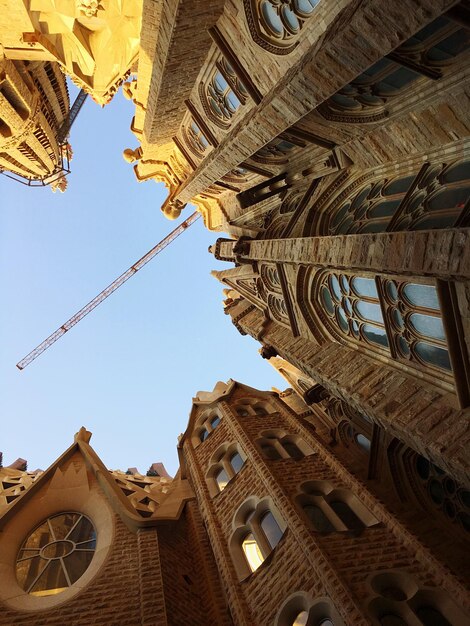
[{"x": 167, "y": 499}]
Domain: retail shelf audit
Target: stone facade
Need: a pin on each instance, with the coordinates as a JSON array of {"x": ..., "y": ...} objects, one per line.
[
  {"x": 329, "y": 139},
  {"x": 34, "y": 104},
  {"x": 269, "y": 520}
]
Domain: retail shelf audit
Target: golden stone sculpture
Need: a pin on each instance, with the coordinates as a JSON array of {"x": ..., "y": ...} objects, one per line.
[{"x": 96, "y": 43}]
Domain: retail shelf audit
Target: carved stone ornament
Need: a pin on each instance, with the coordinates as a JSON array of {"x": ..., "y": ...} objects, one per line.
[{"x": 89, "y": 8}]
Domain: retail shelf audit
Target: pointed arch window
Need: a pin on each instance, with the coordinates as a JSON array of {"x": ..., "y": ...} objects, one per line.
[
  {"x": 402, "y": 318},
  {"x": 223, "y": 94},
  {"x": 426, "y": 55},
  {"x": 438, "y": 196},
  {"x": 196, "y": 139}
]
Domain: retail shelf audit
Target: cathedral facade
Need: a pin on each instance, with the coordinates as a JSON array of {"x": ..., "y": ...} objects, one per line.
[
  {"x": 328, "y": 140},
  {"x": 267, "y": 522}
]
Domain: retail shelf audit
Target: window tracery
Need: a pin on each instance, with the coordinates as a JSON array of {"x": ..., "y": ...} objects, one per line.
[
  {"x": 428, "y": 53},
  {"x": 275, "y": 25},
  {"x": 223, "y": 94},
  {"x": 350, "y": 436},
  {"x": 400, "y": 317},
  {"x": 436, "y": 197},
  {"x": 224, "y": 466},
  {"x": 257, "y": 531},
  {"x": 196, "y": 139},
  {"x": 276, "y": 151},
  {"x": 330, "y": 509},
  {"x": 56, "y": 554}
]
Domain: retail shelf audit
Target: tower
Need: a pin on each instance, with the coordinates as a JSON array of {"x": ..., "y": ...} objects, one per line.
[{"x": 34, "y": 103}]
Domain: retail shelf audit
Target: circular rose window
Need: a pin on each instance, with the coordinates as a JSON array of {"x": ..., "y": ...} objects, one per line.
[{"x": 56, "y": 554}]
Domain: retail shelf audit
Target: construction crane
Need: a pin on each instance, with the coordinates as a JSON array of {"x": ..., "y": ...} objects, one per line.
[
  {"x": 64, "y": 130},
  {"x": 47, "y": 343}
]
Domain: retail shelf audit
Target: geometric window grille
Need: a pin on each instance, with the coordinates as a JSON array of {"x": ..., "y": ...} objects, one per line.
[
  {"x": 56, "y": 554},
  {"x": 442, "y": 492},
  {"x": 224, "y": 94},
  {"x": 401, "y": 317},
  {"x": 437, "y": 197},
  {"x": 428, "y": 53},
  {"x": 275, "y": 24}
]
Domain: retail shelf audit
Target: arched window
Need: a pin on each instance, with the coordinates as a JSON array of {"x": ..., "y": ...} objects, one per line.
[
  {"x": 400, "y": 318},
  {"x": 330, "y": 509},
  {"x": 242, "y": 411},
  {"x": 276, "y": 25},
  {"x": 399, "y": 600},
  {"x": 223, "y": 94},
  {"x": 254, "y": 407},
  {"x": 206, "y": 424},
  {"x": 276, "y": 445},
  {"x": 349, "y": 435},
  {"x": 260, "y": 410},
  {"x": 196, "y": 139},
  {"x": 257, "y": 531},
  {"x": 300, "y": 609},
  {"x": 224, "y": 465},
  {"x": 426, "y": 55},
  {"x": 276, "y": 151},
  {"x": 435, "y": 197}
]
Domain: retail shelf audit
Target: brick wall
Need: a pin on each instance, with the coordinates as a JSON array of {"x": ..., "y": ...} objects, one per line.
[{"x": 113, "y": 597}]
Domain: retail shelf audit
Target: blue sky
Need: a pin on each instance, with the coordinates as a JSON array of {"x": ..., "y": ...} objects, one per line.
[{"x": 129, "y": 370}]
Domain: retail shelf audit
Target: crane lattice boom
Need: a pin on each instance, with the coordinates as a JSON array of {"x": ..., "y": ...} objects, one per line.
[{"x": 107, "y": 292}]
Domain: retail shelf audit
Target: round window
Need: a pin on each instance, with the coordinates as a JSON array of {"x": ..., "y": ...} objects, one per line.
[{"x": 56, "y": 554}]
